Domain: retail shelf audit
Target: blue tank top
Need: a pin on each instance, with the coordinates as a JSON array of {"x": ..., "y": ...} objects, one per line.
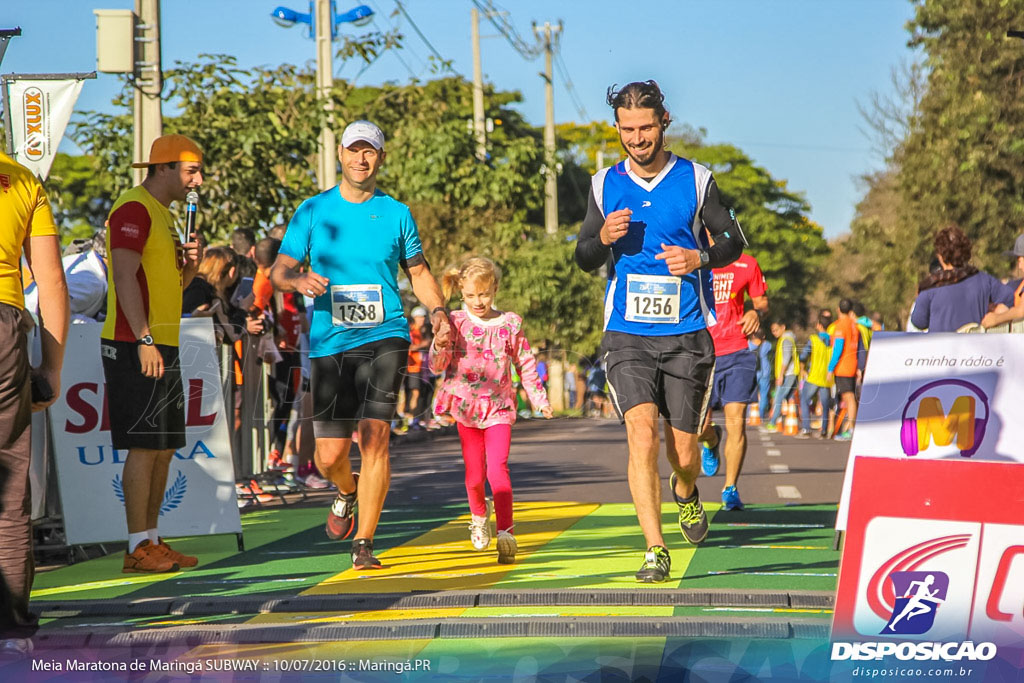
[{"x": 642, "y": 297}]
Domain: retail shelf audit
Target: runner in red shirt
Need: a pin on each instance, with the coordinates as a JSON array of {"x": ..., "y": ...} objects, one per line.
[{"x": 734, "y": 383}]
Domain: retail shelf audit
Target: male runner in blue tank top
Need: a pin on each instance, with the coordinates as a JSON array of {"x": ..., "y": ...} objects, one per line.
[
  {"x": 355, "y": 238},
  {"x": 646, "y": 218}
]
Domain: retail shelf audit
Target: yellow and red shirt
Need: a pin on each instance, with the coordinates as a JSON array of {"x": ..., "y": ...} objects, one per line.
[
  {"x": 138, "y": 221},
  {"x": 24, "y": 212}
]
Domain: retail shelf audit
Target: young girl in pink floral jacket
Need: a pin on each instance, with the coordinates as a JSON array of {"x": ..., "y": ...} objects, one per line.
[{"x": 477, "y": 391}]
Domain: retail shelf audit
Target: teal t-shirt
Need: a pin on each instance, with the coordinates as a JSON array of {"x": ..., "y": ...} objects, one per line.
[{"x": 358, "y": 248}]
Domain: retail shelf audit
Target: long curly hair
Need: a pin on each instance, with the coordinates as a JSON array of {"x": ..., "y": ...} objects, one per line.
[{"x": 953, "y": 246}]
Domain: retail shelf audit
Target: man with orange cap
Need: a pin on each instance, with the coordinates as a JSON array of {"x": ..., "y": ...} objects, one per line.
[{"x": 149, "y": 269}]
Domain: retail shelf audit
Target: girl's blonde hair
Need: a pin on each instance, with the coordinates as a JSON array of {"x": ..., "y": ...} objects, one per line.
[{"x": 476, "y": 269}]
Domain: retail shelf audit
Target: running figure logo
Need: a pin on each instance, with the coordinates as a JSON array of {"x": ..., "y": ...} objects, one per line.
[{"x": 918, "y": 596}]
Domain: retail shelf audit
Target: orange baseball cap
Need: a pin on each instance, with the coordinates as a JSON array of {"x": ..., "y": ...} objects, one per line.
[{"x": 168, "y": 149}]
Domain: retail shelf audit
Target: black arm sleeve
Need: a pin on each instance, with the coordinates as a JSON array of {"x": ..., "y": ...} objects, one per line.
[
  {"x": 722, "y": 225},
  {"x": 591, "y": 254}
]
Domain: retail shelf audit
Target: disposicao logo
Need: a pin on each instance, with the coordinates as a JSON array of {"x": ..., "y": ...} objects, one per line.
[
  {"x": 892, "y": 582},
  {"x": 933, "y": 423},
  {"x": 918, "y": 597}
]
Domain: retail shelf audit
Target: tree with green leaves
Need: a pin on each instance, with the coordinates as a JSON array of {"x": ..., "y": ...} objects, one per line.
[
  {"x": 952, "y": 136},
  {"x": 788, "y": 245},
  {"x": 963, "y": 161}
]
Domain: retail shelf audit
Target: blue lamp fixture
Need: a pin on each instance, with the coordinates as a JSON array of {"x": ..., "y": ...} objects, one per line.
[{"x": 286, "y": 17}]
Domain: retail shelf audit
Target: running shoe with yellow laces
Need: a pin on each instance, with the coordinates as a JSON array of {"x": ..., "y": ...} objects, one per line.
[
  {"x": 693, "y": 521},
  {"x": 656, "y": 566}
]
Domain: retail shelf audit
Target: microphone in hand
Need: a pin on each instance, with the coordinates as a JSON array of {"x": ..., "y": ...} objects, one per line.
[{"x": 191, "y": 206}]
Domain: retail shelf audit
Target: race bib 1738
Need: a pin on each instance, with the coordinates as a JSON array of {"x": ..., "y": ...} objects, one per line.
[{"x": 355, "y": 306}]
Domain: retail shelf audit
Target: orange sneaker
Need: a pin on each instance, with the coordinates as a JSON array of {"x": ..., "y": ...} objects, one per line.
[
  {"x": 181, "y": 559},
  {"x": 276, "y": 462},
  {"x": 146, "y": 559}
]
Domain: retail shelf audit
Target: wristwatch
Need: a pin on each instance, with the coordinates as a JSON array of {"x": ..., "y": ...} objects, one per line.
[
  {"x": 439, "y": 308},
  {"x": 145, "y": 340},
  {"x": 704, "y": 258}
]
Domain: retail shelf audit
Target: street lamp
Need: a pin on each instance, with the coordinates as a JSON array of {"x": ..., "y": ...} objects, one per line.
[{"x": 323, "y": 13}]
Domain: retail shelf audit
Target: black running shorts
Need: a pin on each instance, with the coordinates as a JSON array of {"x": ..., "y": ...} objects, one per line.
[
  {"x": 672, "y": 372},
  {"x": 357, "y": 384},
  {"x": 846, "y": 385},
  {"x": 144, "y": 412}
]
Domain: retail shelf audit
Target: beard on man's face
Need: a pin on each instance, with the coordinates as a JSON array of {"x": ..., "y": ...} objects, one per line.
[{"x": 644, "y": 155}]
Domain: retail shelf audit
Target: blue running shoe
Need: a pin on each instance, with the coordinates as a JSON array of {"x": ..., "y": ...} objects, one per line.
[
  {"x": 710, "y": 457},
  {"x": 731, "y": 499}
]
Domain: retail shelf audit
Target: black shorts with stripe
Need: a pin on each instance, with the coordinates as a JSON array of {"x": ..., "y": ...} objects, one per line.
[
  {"x": 673, "y": 372},
  {"x": 357, "y": 384},
  {"x": 144, "y": 412}
]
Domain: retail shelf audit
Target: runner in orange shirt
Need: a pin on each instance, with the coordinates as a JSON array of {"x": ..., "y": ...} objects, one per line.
[{"x": 843, "y": 366}]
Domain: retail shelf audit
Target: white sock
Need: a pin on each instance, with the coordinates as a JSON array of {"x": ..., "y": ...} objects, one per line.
[
  {"x": 293, "y": 460},
  {"x": 152, "y": 536},
  {"x": 135, "y": 539}
]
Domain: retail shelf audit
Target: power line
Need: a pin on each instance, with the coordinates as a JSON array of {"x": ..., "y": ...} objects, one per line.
[
  {"x": 401, "y": 8},
  {"x": 570, "y": 88},
  {"x": 505, "y": 28},
  {"x": 397, "y": 27}
]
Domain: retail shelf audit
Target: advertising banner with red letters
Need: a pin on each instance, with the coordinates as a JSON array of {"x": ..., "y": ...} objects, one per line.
[
  {"x": 934, "y": 552},
  {"x": 39, "y": 110},
  {"x": 200, "y": 495}
]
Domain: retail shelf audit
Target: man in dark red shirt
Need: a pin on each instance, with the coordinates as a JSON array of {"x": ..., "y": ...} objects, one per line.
[{"x": 734, "y": 382}]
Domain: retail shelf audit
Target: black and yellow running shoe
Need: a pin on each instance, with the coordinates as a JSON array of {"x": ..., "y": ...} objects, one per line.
[
  {"x": 693, "y": 522},
  {"x": 656, "y": 566}
]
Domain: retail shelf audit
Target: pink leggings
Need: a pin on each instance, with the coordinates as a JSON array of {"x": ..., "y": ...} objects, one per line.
[{"x": 485, "y": 452}]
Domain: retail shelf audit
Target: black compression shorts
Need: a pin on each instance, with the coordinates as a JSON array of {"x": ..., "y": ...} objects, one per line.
[
  {"x": 357, "y": 384},
  {"x": 673, "y": 372}
]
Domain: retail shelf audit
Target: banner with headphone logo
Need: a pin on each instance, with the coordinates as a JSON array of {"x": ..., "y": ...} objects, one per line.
[{"x": 939, "y": 396}]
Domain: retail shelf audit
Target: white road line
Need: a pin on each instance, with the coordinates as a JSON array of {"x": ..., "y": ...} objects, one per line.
[
  {"x": 773, "y": 452},
  {"x": 787, "y": 492},
  {"x": 778, "y": 469}
]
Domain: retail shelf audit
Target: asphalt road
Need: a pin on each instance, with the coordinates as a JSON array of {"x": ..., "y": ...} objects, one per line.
[{"x": 584, "y": 460}]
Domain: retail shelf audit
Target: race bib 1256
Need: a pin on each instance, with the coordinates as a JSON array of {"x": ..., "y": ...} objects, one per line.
[{"x": 652, "y": 298}]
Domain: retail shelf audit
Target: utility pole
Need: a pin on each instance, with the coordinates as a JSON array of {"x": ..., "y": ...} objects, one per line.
[
  {"x": 479, "y": 133},
  {"x": 5, "y": 35},
  {"x": 549, "y": 37},
  {"x": 148, "y": 121},
  {"x": 327, "y": 167}
]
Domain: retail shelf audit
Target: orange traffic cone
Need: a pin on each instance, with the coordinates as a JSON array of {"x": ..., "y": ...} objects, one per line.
[
  {"x": 754, "y": 415},
  {"x": 791, "y": 425}
]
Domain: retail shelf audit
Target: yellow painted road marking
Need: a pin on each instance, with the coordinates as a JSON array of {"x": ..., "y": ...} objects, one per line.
[
  {"x": 443, "y": 559},
  {"x": 98, "y": 585},
  {"x": 283, "y": 618}
]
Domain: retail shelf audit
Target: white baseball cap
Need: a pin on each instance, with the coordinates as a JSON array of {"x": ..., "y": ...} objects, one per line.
[
  {"x": 363, "y": 130},
  {"x": 419, "y": 311}
]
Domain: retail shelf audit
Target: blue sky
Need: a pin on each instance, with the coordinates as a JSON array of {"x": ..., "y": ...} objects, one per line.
[{"x": 781, "y": 79}]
